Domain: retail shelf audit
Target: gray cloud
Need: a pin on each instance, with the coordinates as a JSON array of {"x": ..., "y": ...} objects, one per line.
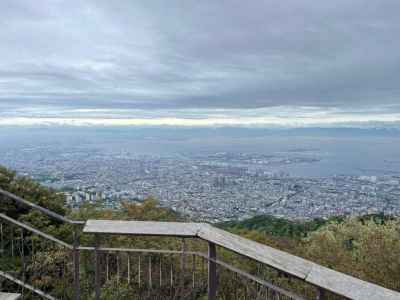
[{"x": 200, "y": 54}]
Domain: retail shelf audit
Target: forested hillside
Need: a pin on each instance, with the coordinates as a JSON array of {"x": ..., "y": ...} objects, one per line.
[
  {"x": 367, "y": 247},
  {"x": 280, "y": 227}
]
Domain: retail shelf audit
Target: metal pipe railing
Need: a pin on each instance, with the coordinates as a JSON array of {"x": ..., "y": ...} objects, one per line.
[
  {"x": 40, "y": 208},
  {"x": 27, "y": 286},
  {"x": 36, "y": 231},
  {"x": 56, "y": 216}
]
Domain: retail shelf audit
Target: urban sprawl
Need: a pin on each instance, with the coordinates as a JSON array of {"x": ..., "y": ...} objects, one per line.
[{"x": 213, "y": 187}]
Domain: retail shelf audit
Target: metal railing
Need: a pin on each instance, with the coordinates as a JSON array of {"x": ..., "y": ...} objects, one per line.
[{"x": 101, "y": 271}]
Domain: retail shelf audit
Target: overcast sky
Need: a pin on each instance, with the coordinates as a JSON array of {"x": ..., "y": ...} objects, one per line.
[{"x": 288, "y": 62}]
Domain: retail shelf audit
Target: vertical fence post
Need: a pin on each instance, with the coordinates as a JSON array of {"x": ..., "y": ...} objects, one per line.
[
  {"x": 1, "y": 240},
  {"x": 321, "y": 294},
  {"x": 22, "y": 247},
  {"x": 107, "y": 266},
  {"x": 212, "y": 271},
  {"x": 76, "y": 259},
  {"x": 129, "y": 268},
  {"x": 183, "y": 267},
  {"x": 12, "y": 240},
  {"x": 171, "y": 275},
  {"x": 117, "y": 262},
  {"x": 150, "y": 273},
  {"x": 193, "y": 271},
  {"x": 160, "y": 271},
  {"x": 139, "y": 271},
  {"x": 97, "y": 267}
]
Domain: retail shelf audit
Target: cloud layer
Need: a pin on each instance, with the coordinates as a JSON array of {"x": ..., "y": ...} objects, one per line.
[
  {"x": 201, "y": 55},
  {"x": 273, "y": 117}
]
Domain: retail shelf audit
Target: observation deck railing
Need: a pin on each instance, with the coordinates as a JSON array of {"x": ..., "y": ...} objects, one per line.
[{"x": 100, "y": 271}]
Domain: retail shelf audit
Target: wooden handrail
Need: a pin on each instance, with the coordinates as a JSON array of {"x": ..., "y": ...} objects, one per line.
[
  {"x": 142, "y": 228},
  {"x": 328, "y": 279},
  {"x": 312, "y": 273}
]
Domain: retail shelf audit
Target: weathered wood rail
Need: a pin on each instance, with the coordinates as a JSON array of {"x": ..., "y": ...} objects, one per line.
[
  {"x": 324, "y": 279},
  {"x": 312, "y": 273}
]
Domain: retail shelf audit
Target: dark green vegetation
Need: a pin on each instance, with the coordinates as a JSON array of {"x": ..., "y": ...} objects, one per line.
[
  {"x": 367, "y": 247},
  {"x": 278, "y": 227}
]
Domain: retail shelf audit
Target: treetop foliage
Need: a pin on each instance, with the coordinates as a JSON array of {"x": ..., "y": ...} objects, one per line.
[{"x": 367, "y": 247}]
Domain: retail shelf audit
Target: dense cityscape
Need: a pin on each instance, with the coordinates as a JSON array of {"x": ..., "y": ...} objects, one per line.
[{"x": 213, "y": 187}]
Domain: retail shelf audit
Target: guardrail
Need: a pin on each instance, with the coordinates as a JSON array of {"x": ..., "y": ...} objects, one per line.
[
  {"x": 323, "y": 279},
  {"x": 46, "y": 211}
]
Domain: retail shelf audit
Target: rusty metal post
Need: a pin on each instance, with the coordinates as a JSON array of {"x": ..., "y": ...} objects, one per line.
[
  {"x": 76, "y": 259},
  {"x": 97, "y": 268},
  {"x": 321, "y": 294},
  {"x": 212, "y": 271}
]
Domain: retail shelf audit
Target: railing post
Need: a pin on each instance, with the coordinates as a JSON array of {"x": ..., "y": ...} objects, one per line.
[
  {"x": 321, "y": 294},
  {"x": 22, "y": 247},
  {"x": 129, "y": 268},
  {"x": 212, "y": 271},
  {"x": 97, "y": 268},
  {"x": 1, "y": 239},
  {"x": 76, "y": 258},
  {"x": 183, "y": 268},
  {"x": 12, "y": 240}
]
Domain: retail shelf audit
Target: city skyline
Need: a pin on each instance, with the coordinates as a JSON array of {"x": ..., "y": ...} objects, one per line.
[{"x": 215, "y": 174}]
